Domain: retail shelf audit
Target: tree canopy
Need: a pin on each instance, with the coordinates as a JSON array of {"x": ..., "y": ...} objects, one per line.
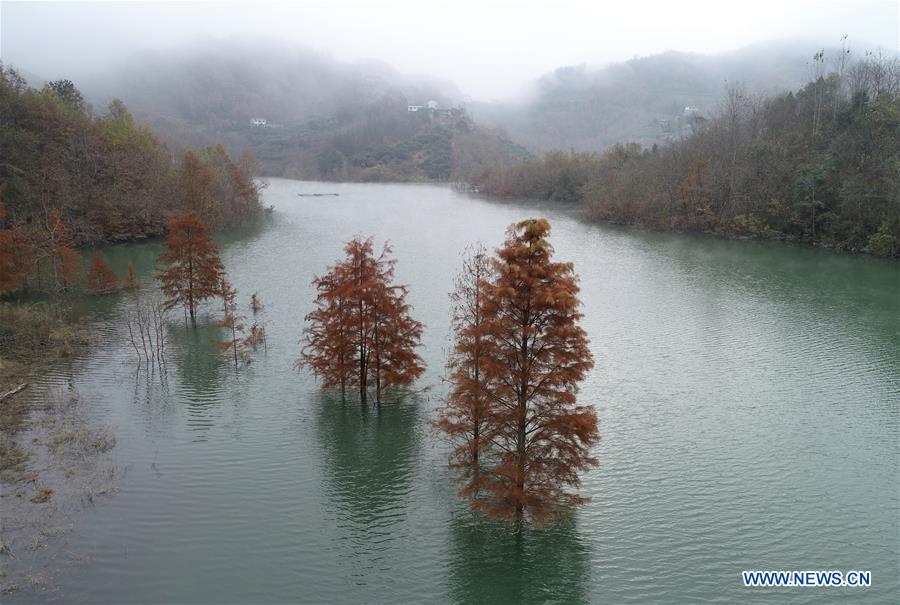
[
  {"x": 521, "y": 436},
  {"x": 361, "y": 333},
  {"x": 191, "y": 269}
]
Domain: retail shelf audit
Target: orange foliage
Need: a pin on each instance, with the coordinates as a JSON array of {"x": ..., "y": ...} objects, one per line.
[
  {"x": 65, "y": 260},
  {"x": 131, "y": 281},
  {"x": 14, "y": 254},
  {"x": 361, "y": 331},
  {"x": 464, "y": 414},
  {"x": 531, "y": 356},
  {"x": 100, "y": 277},
  {"x": 193, "y": 271}
]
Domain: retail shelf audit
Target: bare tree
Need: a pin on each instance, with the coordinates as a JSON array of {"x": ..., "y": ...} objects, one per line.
[{"x": 146, "y": 328}]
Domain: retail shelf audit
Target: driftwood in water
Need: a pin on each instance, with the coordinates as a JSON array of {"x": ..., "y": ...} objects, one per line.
[
  {"x": 18, "y": 389},
  {"x": 317, "y": 194}
]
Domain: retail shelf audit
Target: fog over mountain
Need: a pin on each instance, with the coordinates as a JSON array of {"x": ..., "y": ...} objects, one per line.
[
  {"x": 646, "y": 99},
  {"x": 301, "y": 113},
  {"x": 489, "y": 49},
  {"x": 334, "y": 82}
]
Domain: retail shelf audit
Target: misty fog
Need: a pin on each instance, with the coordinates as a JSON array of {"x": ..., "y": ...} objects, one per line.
[{"x": 490, "y": 50}]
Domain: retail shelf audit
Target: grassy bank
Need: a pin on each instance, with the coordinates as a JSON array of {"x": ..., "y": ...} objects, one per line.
[{"x": 31, "y": 337}]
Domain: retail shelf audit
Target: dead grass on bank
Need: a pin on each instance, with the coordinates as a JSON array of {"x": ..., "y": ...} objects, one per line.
[
  {"x": 31, "y": 337},
  {"x": 12, "y": 459},
  {"x": 69, "y": 440},
  {"x": 34, "y": 332}
]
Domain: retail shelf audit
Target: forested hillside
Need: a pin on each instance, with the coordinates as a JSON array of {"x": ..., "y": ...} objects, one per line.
[
  {"x": 819, "y": 165},
  {"x": 382, "y": 142},
  {"x": 103, "y": 176},
  {"x": 322, "y": 118}
]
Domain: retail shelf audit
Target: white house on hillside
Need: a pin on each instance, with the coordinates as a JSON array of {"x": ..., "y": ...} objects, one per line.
[{"x": 258, "y": 122}]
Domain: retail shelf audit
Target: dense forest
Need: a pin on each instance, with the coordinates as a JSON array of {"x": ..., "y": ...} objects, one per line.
[
  {"x": 109, "y": 178},
  {"x": 323, "y": 119},
  {"x": 819, "y": 165},
  {"x": 69, "y": 177}
]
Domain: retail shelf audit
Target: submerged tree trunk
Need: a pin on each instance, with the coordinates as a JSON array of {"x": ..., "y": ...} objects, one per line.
[
  {"x": 521, "y": 433},
  {"x": 378, "y": 353},
  {"x": 191, "y": 287},
  {"x": 363, "y": 374}
]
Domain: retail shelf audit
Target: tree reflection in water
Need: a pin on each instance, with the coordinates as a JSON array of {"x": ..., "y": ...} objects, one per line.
[
  {"x": 491, "y": 562},
  {"x": 369, "y": 460}
]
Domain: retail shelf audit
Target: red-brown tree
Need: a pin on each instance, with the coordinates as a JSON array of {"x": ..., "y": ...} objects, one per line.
[
  {"x": 395, "y": 336},
  {"x": 56, "y": 249},
  {"x": 537, "y": 437},
  {"x": 361, "y": 331},
  {"x": 193, "y": 271},
  {"x": 329, "y": 349},
  {"x": 14, "y": 255},
  {"x": 463, "y": 417},
  {"x": 131, "y": 281},
  {"x": 237, "y": 346},
  {"x": 101, "y": 278}
]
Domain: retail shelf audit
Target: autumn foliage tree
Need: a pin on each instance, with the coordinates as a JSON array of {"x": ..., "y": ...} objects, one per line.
[
  {"x": 464, "y": 415},
  {"x": 109, "y": 176},
  {"x": 57, "y": 253},
  {"x": 238, "y": 345},
  {"x": 101, "y": 278},
  {"x": 192, "y": 271},
  {"x": 14, "y": 254},
  {"x": 361, "y": 332},
  {"x": 131, "y": 281},
  {"x": 328, "y": 345},
  {"x": 531, "y": 354}
]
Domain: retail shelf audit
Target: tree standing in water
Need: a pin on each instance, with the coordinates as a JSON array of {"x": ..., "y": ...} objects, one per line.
[
  {"x": 237, "y": 346},
  {"x": 463, "y": 417},
  {"x": 395, "y": 336},
  {"x": 101, "y": 278},
  {"x": 328, "y": 348},
  {"x": 193, "y": 271},
  {"x": 131, "y": 281},
  {"x": 532, "y": 356},
  {"x": 361, "y": 330}
]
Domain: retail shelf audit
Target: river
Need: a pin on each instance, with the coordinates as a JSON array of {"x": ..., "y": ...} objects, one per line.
[{"x": 748, "y": 395}]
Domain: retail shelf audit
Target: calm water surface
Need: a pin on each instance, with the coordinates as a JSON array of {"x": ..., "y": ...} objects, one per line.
[{"x": 747, "y": 395}]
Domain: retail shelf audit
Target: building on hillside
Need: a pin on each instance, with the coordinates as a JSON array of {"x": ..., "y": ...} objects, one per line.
[
  {"x": 260, "y": 122},
  {"x": 414, "y": 108},
  {"x": 432, "y": 105}
]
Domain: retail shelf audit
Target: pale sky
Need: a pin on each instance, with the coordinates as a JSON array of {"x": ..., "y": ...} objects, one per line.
[{"x": 490, "y": 49}]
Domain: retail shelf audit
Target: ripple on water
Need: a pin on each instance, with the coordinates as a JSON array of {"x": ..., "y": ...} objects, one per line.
[{"x": 747, "y": 394}]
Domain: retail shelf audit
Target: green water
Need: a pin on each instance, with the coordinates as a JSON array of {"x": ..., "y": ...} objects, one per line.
[{"x": 747, "y": 394}]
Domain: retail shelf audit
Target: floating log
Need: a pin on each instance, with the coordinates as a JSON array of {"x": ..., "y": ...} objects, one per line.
[{"x": 18, "y": 389}]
